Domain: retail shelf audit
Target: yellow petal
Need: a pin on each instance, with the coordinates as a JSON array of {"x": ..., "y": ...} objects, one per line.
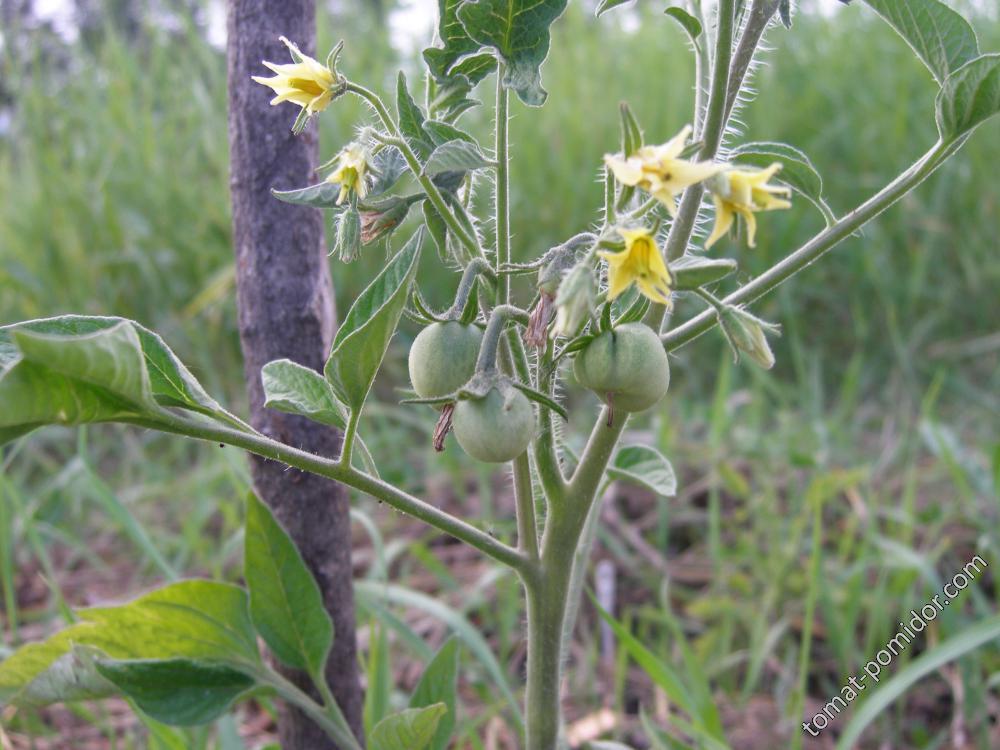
[
  {"x": 619, "y": 280},
  {"x": 673, "y": 148},
  {"x": 723, "y": 221},
  {"x": 626, "y": 171},
  {"x": 656, "y": 293},
  {"x": 751, "y": 222}
]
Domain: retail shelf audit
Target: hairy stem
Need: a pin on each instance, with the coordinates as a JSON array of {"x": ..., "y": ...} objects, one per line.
[
  {"x": 818, "y": 245},
  {"x": 502, "y": 190},
  {"x": 548, "y": 593},
  {"x": 711, "y": 136},
  {"x": 760, "y": 14},
  {"x": 546, "y": 458},
  {"x": 433, "y": 194},
  {"x": 393, "y": 496},
  {"x": 524, "y": 497}
]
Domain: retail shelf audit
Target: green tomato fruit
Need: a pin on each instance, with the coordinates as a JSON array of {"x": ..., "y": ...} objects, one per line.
[
  {"x": 443, "y": 358},
  {"x": 627, "y": 364},
  {"x": 495, "y": 428}
]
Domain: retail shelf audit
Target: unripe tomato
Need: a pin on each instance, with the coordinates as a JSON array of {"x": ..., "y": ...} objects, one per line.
[
  {"x": 495, "y": 428},
  {"x": 443, "y": 358},
  {"x": 626, "y": 367}
]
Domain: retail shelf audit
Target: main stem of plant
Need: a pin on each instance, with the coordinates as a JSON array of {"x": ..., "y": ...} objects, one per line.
[{"x": 547, "y": 586}]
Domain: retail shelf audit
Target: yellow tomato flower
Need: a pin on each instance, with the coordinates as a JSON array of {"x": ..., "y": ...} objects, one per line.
[
  {"x": 640, "y": 262},
  {"x": 352, "y": 168},
  {"x": 743, "y": 192},
  {"x": 660, "y": 172},
  {"x": 306, "y": 82}
]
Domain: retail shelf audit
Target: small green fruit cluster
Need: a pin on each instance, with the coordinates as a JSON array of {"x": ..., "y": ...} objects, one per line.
[{"x": 626, "y": 367}]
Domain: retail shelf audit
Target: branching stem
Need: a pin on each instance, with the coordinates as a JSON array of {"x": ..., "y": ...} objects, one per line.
[
  {"x": 380, "y": 490},
  {"x": 399, "y": 142},
  {"x": 818, "y": 245}
]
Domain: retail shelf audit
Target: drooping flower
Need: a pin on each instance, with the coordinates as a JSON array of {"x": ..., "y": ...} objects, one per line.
[
  {"x": 744, "y": 192},
  {"x": 641, "y": 262},
  {"x": 660, "y": 171},
  {"x": 306, "y": 82},
  {"x": 352, "y": 169}
]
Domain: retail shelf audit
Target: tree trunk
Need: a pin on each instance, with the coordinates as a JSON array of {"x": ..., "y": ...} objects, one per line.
[{"x": 285, "y": 303}]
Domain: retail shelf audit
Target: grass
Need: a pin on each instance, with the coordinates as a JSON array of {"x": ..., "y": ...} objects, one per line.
[{"x": 881, "y": 414}]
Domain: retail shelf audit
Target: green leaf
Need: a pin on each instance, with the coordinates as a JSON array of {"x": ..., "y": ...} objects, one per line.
[
  {"x": 388, "y": 165},
  {"x": 363, "y": 337},
  {"x": 321, "y": 195},
  {"x": 412, "y": 729},
  {"x": 645, "y": 467},
  {"x": 438, "y": 229},
  {"x": 295, "y": 389},
  {"x": 437, "y": 686},
  {"x": 605, "y": 5},
  {"x": 411, "y": 118},
  {"x": 455, "y": 156},
  {"x": 455, "y": 41},
  {"x": 693, "y": 271},
  {"x": 285, "y": 603},
  {"x": 940, "y": 37},
  {"x": 110, "y": 358},
  {"x": 797, "y": 171},
  {"x": 474, "y": 68},
  {"x": 442, "y": 132},
  {"x": 170, "y": 383},
  {"x": 196, "y": 619},
  {"x": 690, "y": 24},
  {"x": 519, "y": 31},
  {"x": 201, "y": 620},
  {"x": 59, "y": 669},
  {"x": 970, "y": 96},
  {"x": 180, "y": 692},
  {"x": 927, "y": 663}
]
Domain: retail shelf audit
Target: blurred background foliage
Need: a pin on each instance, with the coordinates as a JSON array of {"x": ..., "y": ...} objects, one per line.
[{"x": 883, "y": 406}]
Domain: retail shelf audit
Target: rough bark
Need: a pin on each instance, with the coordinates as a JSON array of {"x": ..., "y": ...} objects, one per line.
[{"x": 285, "y": 304}]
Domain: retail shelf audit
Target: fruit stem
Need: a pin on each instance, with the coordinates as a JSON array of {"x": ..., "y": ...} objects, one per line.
[
  {"x": 487, "y": 361},
  {"x": 472, "y": 271}
]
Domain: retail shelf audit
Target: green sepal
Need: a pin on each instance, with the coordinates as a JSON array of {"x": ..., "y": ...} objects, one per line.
[
  {"x": 631, "y": 132},
  {"x": 540, "y": 398},
  {"x": 693, "y": 271},
  {"x": 634, "y": 312}
]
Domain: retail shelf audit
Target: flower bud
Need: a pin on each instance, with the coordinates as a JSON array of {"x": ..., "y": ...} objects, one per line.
[
  {"x": 560, "y": 260},
  {"x": 349, "y": 234},
  {"x": 576, "y": 300},
  {"x": 379, "y": 221},
  {"x": 747, "y": 333}
]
